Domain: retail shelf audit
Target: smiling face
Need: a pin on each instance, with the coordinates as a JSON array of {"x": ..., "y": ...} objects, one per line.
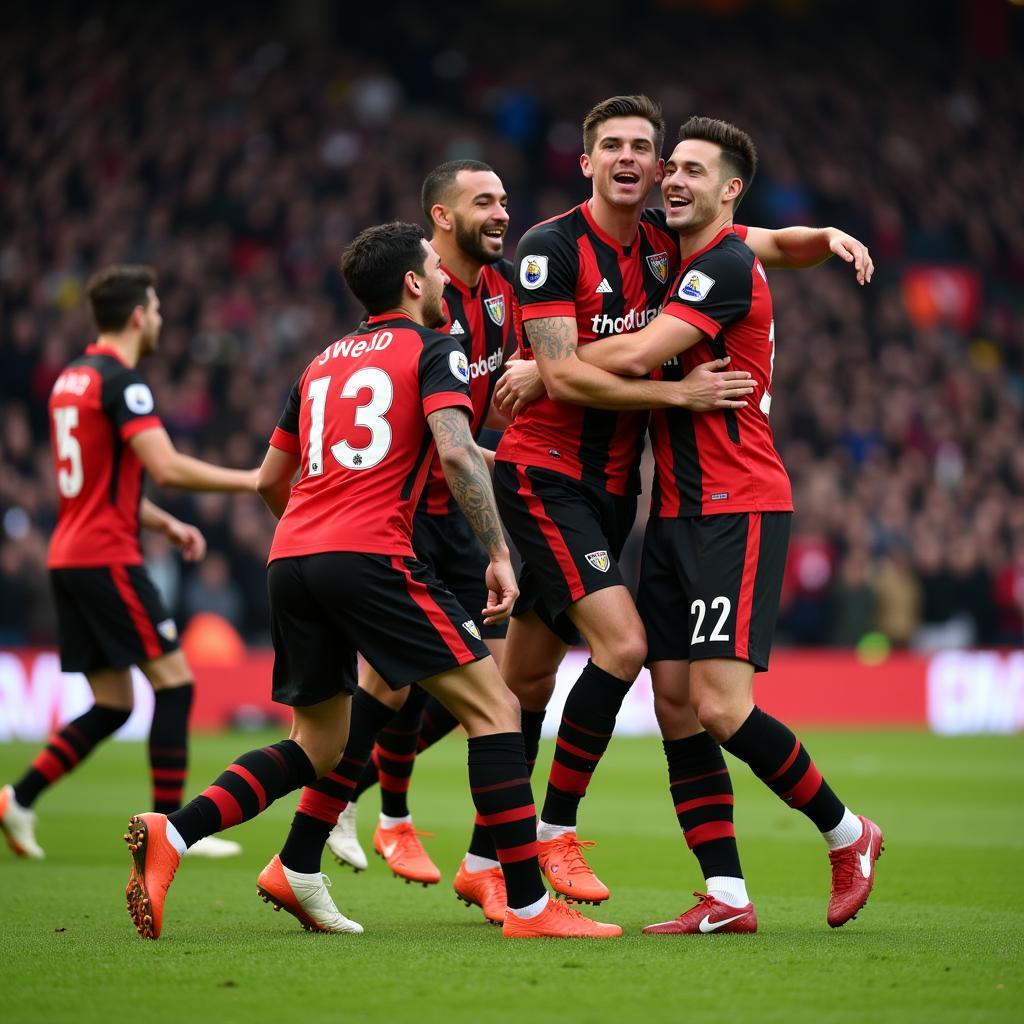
[
  {"x": 696, "y": 186},
  {"x": 479, "y": 215},
  {"x": 623, "y": 162}
]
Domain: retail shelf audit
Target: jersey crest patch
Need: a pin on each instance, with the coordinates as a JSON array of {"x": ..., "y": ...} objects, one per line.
[
  {"x": 459, "y": 365},
  {"x": 695, "y": 286},
  {"x": 139, "y": 399},
  {"x": 470, "y": 627},
  {"x": 599, "y": 560},
  {"x": 658, "y": 262},
  {"x": 496, "y": 309},
  {"x": 533, "y": 272},
  {"x": 168, "y": 630}
]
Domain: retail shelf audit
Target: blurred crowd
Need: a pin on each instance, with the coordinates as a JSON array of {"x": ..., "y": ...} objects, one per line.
[{"x": 239, "y": 153}]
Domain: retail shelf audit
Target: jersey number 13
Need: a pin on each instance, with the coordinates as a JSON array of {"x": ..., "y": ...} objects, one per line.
[{"x": 369, "y": 415}]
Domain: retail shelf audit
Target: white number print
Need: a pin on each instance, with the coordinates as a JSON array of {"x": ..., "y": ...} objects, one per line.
[
  {"x": 369, "y": 415},
  {"x": 699, "y": 609},
  {"x": 766, "y": 399},
  {"x": 65, "y": 419}
]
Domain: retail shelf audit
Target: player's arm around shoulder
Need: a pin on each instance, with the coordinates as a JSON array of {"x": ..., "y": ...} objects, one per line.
[
  {"x": 797, "y": 248},
  {"x": 643, "y": 351}
]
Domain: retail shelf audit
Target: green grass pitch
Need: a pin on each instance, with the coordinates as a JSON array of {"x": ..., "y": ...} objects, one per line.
[{"x": 940, "y": 940}]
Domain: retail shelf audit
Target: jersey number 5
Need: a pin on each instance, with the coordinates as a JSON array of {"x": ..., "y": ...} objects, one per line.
[
  {"x": 369, "y": 415},
  {"x": 65, "y": 419}
]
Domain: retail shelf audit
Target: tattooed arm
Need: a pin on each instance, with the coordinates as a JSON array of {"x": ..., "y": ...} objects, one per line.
[
  {"x": 469, "y": 480},
  {"x": 568, "y": 379}
]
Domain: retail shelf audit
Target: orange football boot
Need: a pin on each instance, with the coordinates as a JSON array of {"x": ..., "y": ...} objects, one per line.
[
  {"x": 557, "y": 921},
  {"x": 484, "y": 889},
  {"x": 401, "y": 848},
  {"x": 154, "y": 862},
  {"x": 567, "y": 872}
]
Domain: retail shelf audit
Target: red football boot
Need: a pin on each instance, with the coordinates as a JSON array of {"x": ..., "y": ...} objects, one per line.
[
  {"x": 853, "y": 874},
  {"x": 709, "y": 915}
]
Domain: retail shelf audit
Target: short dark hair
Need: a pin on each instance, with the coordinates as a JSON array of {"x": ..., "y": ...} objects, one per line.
[
  {"x": 738, "y": 150},
  {"x": 624, "y": 106},
  {"x": 115, "y": 291},
  {"x": 438, "y": 184},
  {"x": 376, "y": 261}
]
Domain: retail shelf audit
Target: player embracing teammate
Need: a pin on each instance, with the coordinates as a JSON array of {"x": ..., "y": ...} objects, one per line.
[
  {"x": 716, "y": 540},
  {"x": 359, "y": 428}
]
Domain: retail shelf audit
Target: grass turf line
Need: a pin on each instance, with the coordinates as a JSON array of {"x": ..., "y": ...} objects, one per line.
[{"x": 941, "y": 939}]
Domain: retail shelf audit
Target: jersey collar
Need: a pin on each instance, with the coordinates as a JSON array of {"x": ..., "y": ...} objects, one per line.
[
  {"x": 460, "y": 286},
  {"x": 729, "y": 229},
  {"x": 96, "y": 349},
  {"x": 588, "y": 216},
  {"x": 382, "y": 318}
]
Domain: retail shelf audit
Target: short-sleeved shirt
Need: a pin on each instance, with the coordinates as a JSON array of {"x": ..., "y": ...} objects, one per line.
[
  {"x": 722, "y": 461},
  {"x": 482, "y": 319},
  {"x": 98, "y": 403},
  {"x": 357, "y": 418},
  {"x": 569, "y": 267}
]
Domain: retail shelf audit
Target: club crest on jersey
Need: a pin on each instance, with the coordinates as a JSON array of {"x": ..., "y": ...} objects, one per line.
[
  {"x": 496, "y": 309},
  {"x": 470, "y": 627},
  {"x": 599, "y": 560},
  {"x": 533, "y": 271},
  {"x": 168, "y": 630},
  {"x": 658, "y": 262},
  {"x": 695, "y": 286},
  {"x": 139, "y": 399},
  {"x": 459, "y": 365}
]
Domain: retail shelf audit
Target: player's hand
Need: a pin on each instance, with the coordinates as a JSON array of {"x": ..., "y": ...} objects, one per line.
[
  {"x": 520, "y": 384},
  {"x": 501, "y": 591},
  {"x": 191, "y": 542},
  {"x": 850, "y": 250},
  {"x": 710, "y": 386}
]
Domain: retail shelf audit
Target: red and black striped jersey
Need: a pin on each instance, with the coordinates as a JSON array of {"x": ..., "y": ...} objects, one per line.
[
  {"x": 723, "y": 461},
  {"x": 97, "y": 405},
  {"x": 482, "y": 320},
  {"x": 568, "y": 266},
  {"x": 357, "y": 419}
]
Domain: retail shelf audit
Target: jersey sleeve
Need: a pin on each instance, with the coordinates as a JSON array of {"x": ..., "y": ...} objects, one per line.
[
  {"x": 286, "y": 433},
  {"x": 713, "y": 292},
  {"x": 547, "y": 265},
  {"x": 129, "y": 403},
  {"x": 444, "y": 375}
]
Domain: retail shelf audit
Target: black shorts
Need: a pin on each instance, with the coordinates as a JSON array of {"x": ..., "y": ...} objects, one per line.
[
  {"x": 110, "y": 617},
  {"x": 569, "y": 535},
  {"x": 710, "y": 585},
  {"x": 449, "y": 548},
  {"x": 326, "y": 607}
]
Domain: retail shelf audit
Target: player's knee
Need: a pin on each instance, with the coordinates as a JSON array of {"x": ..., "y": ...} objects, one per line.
[
  {"x": 323, "y": 756},
  {"x": 533, "y": 692},
  {"x": 719, "y": 715},
  {"x": 623, "y": 656}
]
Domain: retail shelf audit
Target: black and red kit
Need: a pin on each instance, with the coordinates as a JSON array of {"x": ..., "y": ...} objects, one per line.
[
  {"x": 109, "y": 613},
  {"x": 342, "y": 576},
  {"x": 715, "y": 547},
  {"x": 97, "y": 405},
  {"x": 569, "y": 267},
  {"x": 482, "y": 319},
  {"x": 724, "y": 461}
]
